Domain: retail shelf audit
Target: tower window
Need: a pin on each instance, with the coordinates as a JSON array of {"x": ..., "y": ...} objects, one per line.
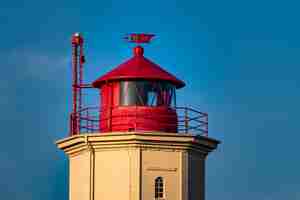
[
  {"x": 147, "y": 93},
  {"x": 159, "y": 188}
]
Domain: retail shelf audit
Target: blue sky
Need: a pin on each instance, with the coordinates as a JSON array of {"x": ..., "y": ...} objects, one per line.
[{"x": 239, "y": 59}]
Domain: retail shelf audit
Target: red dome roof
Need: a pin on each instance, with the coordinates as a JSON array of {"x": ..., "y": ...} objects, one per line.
[{"x": 138, "y": 67}]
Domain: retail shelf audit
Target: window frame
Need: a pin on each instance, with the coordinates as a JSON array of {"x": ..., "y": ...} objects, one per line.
[
  {"x": 163, "y": 93},
  {"x": 159, "y": 188}
]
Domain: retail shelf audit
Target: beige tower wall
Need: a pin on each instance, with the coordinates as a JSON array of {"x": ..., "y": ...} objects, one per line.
[
  {"x": 165, "y": 164},
  {"x": 79, "y": 165},
  {"x": 196, "y": 176},
  {"x": 125, "y": 165},
  {"x": 116, "y": 174}
]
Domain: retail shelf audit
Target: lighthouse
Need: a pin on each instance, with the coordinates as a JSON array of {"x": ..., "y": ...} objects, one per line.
[{"x": 136, "y": 143}]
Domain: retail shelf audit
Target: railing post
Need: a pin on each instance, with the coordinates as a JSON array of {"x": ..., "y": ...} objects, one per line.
[
  {"x": 186, "y": 120},
  {"x": 206, "y": 119},
  {"x": 71, "y": 125},
  {"x": 74, "y": 124},
  {"x": 91, "y": 124},
  {"x": 87, "y": 121}
]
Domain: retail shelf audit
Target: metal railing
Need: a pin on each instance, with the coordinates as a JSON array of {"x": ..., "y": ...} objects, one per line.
[{"x": 189, "y": 120}]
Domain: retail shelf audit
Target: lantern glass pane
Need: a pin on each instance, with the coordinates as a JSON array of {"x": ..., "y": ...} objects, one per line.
[{"x": 147, "y": 93}]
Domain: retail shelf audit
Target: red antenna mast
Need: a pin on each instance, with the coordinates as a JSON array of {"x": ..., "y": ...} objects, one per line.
[{"x": 77, "y": 83}]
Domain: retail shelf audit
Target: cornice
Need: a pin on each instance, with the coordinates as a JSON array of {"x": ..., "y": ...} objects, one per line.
[{"x": 142, "y": 140}]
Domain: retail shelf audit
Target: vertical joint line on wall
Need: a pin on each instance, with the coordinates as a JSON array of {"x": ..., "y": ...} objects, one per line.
[
  {"x": 181, "y": 175},
  {"x": 140, "y": 173},
  {"x": 130, "y": 177},
  {"x": 92, "y": 167}
]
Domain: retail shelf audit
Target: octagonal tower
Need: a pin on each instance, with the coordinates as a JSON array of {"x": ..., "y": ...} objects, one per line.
[{"x": 140, "y": 145}]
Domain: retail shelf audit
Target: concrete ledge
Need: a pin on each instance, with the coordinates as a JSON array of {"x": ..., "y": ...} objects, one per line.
[{"x": 172, "y": 141}]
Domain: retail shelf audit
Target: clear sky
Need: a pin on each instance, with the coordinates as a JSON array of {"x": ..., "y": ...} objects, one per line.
[{"x": 240, "y": 60}]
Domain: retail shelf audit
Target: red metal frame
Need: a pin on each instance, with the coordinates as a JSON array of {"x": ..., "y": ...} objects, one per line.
[
  {"x": 190, "y": 121},
  {"x": 89, "y": 119}
]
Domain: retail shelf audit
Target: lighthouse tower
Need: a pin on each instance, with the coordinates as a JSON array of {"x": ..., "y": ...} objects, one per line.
[{"x": 136, "y": 144}]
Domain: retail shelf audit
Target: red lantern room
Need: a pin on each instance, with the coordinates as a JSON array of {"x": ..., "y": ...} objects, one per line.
[{"x": 138, "y": 95}]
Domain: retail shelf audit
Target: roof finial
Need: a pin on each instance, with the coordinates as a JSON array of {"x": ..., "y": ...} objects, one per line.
[{"x": 138, "y": 51}]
